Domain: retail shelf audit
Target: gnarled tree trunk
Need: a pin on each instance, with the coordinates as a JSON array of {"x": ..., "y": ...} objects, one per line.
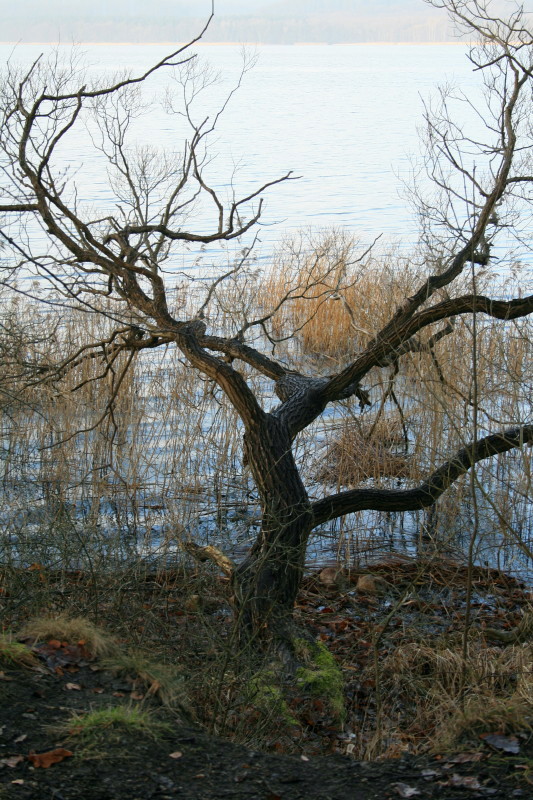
[{"x": 267, "y": 581}]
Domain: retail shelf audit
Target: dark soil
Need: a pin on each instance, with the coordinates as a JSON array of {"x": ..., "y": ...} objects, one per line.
[
  {"x": 184, "y": 762},
  {"x": 133, "y": 766}
]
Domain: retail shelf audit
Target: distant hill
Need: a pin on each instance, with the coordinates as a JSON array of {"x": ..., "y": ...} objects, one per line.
[
  {"x": 274, "y": 21},
  {"x": 353, "y": 8}
]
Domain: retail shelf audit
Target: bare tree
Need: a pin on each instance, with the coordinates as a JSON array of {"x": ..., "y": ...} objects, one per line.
[{"x": 116, "y": 265}]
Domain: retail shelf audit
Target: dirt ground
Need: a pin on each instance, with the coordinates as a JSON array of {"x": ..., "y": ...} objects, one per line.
[
  {"x": 180, "y": 760},
  {"x": 186, "y": 763}
]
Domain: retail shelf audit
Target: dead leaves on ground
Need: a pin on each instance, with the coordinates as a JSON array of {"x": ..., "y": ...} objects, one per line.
[
  {"x": 42, "y": 760},
  {"x": 404, "y": 790},
  {"x": 46, "y": 760},
  {"x": 11, "y": 761},
  {"x": 62, "y": 656},
  {"x": 508, "y": 744}
]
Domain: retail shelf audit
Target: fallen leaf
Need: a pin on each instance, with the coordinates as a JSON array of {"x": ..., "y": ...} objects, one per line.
[
  {"x": 21, "y": 738},
  {"x": 73, "y": 687},
  {"x": 404, "y": 790},
  {"x": 54, "y": 643},
  {"x": 304, "y": 758},
  {"x": 118, "y": 694},
  {"x": 464, "y": 758},
  {"x": 46, "y": 760},
  {"x": 509, "y": 744},
  {"x": 177, "y": 754},
  {"x": 137, "y": 696},
  {"x": 18, "y": 781},
  {"x": 463, "y": 782},
  {"x": 98, "y": 690},
  {"x": 11, "y": 761},
  {"x": 4, "y": 677}
]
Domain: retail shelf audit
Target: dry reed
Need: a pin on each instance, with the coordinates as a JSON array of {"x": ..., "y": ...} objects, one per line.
[{"x": 166, "y": 464}]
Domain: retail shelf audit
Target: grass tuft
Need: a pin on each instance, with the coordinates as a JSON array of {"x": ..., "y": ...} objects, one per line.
[
  {"x": 15, "y": 654},
  {"x": 72, "y": 630},
  {"x": 164, "y": 681},
  {"x": 107, "y": 725}
]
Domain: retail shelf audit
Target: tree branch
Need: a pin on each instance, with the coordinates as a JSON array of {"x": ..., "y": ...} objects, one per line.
[
  {"x": 349, "y": 502},
  {"x": 391, "y": 338}
]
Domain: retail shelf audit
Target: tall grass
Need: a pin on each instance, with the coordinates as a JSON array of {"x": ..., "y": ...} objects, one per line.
[
  {"x": 93, "y": 517},
  {"x": 166, "y": 464}
]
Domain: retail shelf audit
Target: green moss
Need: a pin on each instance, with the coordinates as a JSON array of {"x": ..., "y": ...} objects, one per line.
[
  {"x": 107, "y": 726},
  {"x": 15, "y": 654},
  {"x": 267, "y": 695},
  {"x": 321, "y": 675}
]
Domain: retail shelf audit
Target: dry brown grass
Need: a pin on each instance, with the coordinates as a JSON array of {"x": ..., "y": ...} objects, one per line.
[
  {"x": 353, "y": 457},
  {"x": 332, "y": 295},
  {"x": 451, "y": 701},
  {"x": 72, "y": 630}
]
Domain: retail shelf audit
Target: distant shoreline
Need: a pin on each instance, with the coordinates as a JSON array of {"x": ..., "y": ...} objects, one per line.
[{"x": 238, "y": 44}]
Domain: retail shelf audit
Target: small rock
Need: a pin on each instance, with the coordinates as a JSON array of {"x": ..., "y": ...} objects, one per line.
[
  {"x": 372, "y": 584},
  {"x": 334, "y": 578}
]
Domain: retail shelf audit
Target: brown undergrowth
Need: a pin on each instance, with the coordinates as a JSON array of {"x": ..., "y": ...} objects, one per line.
[
  {"x": 399, "y": 648},
  {"x": 96, "y": 516}
]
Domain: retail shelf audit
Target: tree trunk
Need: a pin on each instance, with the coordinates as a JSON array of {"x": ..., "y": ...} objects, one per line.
[{"x": 266, "y": 583}]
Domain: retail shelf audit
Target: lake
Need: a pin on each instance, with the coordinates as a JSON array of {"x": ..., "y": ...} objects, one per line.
[{"x": 343, "y": 118}]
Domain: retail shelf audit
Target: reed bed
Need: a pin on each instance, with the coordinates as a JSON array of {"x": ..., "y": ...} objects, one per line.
[
  {"x": 165, "y": 465},
  {"x": 95, "y": 513}
]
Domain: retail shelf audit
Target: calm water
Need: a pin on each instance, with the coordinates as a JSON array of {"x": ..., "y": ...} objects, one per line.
[{"x": 344, "y": 118}]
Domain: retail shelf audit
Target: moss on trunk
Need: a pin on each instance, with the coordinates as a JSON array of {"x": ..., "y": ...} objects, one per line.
[{"x": 321, "y": 675}]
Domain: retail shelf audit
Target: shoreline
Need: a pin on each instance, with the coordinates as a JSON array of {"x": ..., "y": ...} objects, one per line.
[{"x": 234, "y": 44}]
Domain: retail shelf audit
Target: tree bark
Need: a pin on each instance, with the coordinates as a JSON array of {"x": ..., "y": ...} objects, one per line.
[{"x": 267, "y": 581}]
